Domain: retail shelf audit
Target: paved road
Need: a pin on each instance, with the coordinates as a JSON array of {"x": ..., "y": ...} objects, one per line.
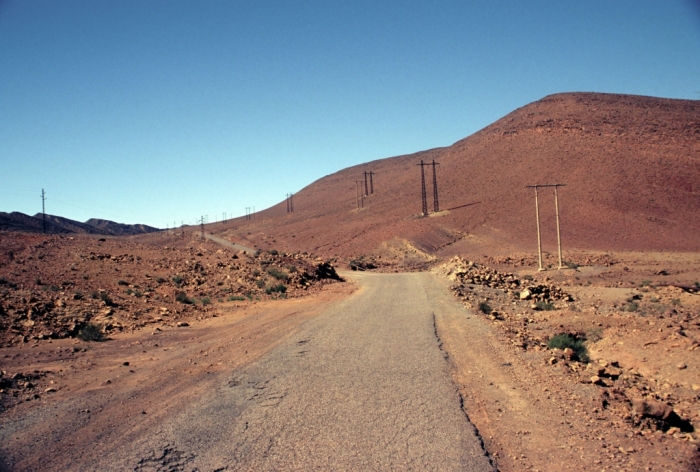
[
  {"x": 226, "y": 242},
  {"x": 364, "y": 386}
]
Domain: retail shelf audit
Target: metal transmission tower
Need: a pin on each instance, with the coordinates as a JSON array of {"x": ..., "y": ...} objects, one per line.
[
  {"x": 359, "y": 195},
  {"x": 436, "y": 205},
  {"x": 290, "y": 203},
  {"x": 422, "y": 184},
  {"x": 201, "y": 223},
  {"x": 43, "y": 211},
  {"x": 371, "y": 183},
  {"x": 537, "y": 216}
]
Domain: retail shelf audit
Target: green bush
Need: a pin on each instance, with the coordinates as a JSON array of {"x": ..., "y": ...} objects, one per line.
[
  {"x": 161, "y": 280},
  {"x": 281, "y": 288},
  {"x": 630, "y": 306},
  {"x": 291, "y": 268},
  {"x": 177, "y": 280},
  {"x": 206, "y": 301},
  {"x": 235, "y": 298},
  {"x": 273, "y": 252},
  {"x": 646, "y": 283},
  {"x": 91, "y": 332},
  {"x": 546, "y": 306},
  {"x": 485, "y": 308},
  {"x": 129, "y": 291},
  {"x": 563, "y": 341},
  {"x": 105, "y": 298},
  {"x": 183, "y": 298},
  {"x": 278, "y": 274}
]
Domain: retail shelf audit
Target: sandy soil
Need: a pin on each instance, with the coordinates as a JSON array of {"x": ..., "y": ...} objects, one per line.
[
  {"x": 110, "y": 391},
  {"x": 539, "y": 408}
]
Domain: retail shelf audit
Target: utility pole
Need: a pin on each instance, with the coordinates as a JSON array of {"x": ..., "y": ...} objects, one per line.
[
  {"x": 359, "y": 195},
  {"x": 436, "y": 205},
  {"x": 291, "y": 203},
  {"x": 201, "y": 221},
  {"x": 366, "y": 187},
  {"x": 556, "y": 209},
  {"x": 537, "y": 215},
  {"x": 371, "y": 183},
  {"x": 247, "y": 211},
  {"x": 43, "y": 211},
  {"x": 422, "y": 183}
]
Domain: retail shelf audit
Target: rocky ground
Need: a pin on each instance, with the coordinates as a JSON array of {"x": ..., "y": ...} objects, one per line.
[
  {"x": 611, "y": 340},
  {"x": 55, "y": 287}
]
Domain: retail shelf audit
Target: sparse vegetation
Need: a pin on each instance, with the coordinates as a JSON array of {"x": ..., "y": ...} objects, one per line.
[
  {"x": 527, "y": 277},
  {"x": 235, "y": 298},
  {"x": 205, "y": 301},
  {"x": 91, "y": 332},
  {"x": 281, "y": 288},
  {"x": 161, "y": 280},
  {"x": 183, "y": 298},
  {"x": 278, "y": 274},
  {"x": 291, "y": 268},
  {"x": 129, "y": 291},
  {"x": 273, "y": 252},
  {"x": 630, "y": 306},
  {"x": 178, "y": 280},
  {"x": 260, "y": 283},
  {"x": 571, "y": 265},
  {"x": 545, "y": 306},
  {"x": 676, "y": 302},
  {"x": 105, "y": 298},
  {"x": 122, "y": 282},
  {"x": 563, "y": 341},
  {"x": 646, "y": 283},
  {"x": 485, "y": 308}
]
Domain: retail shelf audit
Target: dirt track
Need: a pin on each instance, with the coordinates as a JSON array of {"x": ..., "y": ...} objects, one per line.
[{"x": 360, "y": 384}]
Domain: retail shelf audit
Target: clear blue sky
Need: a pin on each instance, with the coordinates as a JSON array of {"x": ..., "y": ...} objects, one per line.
[{"x": 160, "y": 111}]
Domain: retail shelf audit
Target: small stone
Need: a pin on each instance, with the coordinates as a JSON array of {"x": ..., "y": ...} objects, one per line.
[
  {"x": 552, "y": 360},
  {"x": 50, "y": 390},
  {"x": 682, "y": 366},
  {"x": 525, "y": 294},
  {"x": 673, "y": 430},
  {"x": 596, "y": 380},
  {"x": 182, "y": 324},
  {"x": 126, "y": 363},
  {"x": 569, "y": 353},
  {"x": 696, "y": 387}
]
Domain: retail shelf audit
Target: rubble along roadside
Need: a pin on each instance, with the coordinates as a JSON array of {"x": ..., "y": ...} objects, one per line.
[{"x": 528, "y": 313}]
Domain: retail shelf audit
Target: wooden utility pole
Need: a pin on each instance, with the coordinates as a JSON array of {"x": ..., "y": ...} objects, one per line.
[
  {"x": 371, "y": 183},
  {"x": 537, "y": 214},
  {"x": 366, "y": 186},
  {"x": 359, "y": 195}
]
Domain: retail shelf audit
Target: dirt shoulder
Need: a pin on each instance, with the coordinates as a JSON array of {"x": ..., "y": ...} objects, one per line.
[
  {"x": 631, "y": 406},
  {"x": 81, "y": 396}
]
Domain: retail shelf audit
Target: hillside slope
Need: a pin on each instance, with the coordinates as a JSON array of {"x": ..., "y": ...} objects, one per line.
[{"x": 631, "y": 166}]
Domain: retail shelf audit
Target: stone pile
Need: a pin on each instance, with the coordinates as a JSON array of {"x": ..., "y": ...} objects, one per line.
[
  {"x": 55, "y": 288},
  {"x": 470, "y": 272}
]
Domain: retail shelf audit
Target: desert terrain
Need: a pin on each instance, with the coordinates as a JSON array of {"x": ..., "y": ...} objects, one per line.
[{"x": 591, "y": 366}]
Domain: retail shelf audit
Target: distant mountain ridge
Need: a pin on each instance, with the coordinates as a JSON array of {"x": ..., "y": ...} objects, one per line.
[{"x": 17, "y": 221}]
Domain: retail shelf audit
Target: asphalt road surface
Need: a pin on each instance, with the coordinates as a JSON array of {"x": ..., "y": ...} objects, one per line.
[
  {"x": 364, "y": 386},
  {"x": 226, "y": 242}
]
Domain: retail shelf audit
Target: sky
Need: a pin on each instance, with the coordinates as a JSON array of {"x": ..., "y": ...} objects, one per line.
[{"x": 159, "y": 112}]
